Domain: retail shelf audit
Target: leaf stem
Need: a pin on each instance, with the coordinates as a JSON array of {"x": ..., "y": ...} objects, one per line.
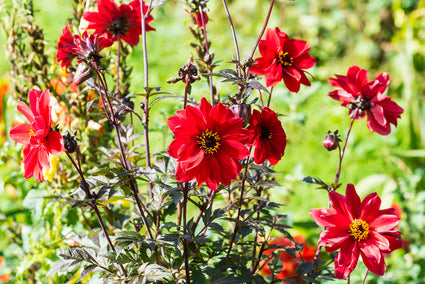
[
  {"x": 146, "y": 103},
  {"x": 185, "y": 234},
  {"x": 117, "y": 87},
  {"x": 93, "y": 204},
  {"x": 127, "y": 165},
  {"x": 364, "y": 279},
  {"x": 240, "y": 207},
  {"x": 235, "y": 40},
  {"x": 264, "y": 28},
  {"x": 204, "y": 29},
  {"x": 341, "y": 153}
]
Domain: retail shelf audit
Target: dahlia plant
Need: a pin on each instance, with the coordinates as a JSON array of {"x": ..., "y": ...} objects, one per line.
[{"x": 201, "y": 210}]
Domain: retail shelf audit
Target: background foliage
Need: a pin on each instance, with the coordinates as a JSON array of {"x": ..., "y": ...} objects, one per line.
[{"x": 381, "y": 36}]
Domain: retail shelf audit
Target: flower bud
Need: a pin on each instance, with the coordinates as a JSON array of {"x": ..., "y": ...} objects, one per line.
[
  {"x": 331, "y": 141},
  {"x": 242, "y": 110},
  {"x": 82, "y": 74},
  {"x": 70, "y": 142}
]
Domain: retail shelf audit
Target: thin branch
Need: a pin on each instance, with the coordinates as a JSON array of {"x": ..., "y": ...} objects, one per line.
[{"x": 264, "y": 28}]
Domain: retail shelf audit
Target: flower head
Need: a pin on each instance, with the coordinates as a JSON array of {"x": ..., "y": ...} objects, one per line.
[
  {"x": 85, "y": 48},
  {"x": 357, "y": 228},
  {"x": 290, "y": 263},
  {"x": 209, "y": 142},
  {"x": 283, "y": 58},
  {"x": 366, "y": 98},
  {"x": 124, "y": 20},
  {"x": 39, "y": 139},
  {"x": 267, "y": 135}
]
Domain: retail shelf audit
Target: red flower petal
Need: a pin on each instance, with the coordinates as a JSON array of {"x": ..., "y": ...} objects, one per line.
[
  {"x": 54, "y": 143},
  {"x": 372, "y": 257},
  {"x": 347, "y": 258},
  {"x": 21, "y": 133}
]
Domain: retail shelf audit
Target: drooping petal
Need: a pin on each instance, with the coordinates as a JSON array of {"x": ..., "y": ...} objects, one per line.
[
  {"x": 347, "y": 258},
  {"x": 372, "y": 257}
]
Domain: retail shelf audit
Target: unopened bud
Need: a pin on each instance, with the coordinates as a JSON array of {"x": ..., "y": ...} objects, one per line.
[
  {"x": 331, "y": 141},
  {"x": 82, "y": 74},
  {"x": 70, "y": 142},
  {"x": 242, "y": 110}
]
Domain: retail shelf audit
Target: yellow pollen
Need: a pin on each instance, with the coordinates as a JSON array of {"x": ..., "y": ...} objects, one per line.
[
  {"x": 359, "y": 230},
  {"x": 32, "y": 132},
  {"x": 284, "y": 59},
  {"x": 209, "y": 142}
]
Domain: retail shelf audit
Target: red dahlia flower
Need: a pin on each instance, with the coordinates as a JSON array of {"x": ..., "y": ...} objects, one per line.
[
  {"x": 290, "y": 263},
  {"x": 39, "y": 139},
  {"x": 267, "y": 135},
  {"x": 86, "y": 48},
  {"x": 283, "y": 58},
  {"x": 124, "y": 20},
  {"x": 357, "y": 228},
  {"x": 366, "y": 98},
  {"x": 209, "y": 142}
]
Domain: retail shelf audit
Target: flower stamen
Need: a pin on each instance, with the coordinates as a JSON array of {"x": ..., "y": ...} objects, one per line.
[
  {"x": 359, "y": 230},
  {"x": 284, "y": 59},
  {"x": 209, "y": 142}
]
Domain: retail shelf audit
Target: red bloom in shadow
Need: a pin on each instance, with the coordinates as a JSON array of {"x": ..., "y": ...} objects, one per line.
[
  {"x": 267, "y": 135},
  {"x": 209, "y": 142},
  {"x": 124, "y": 20},
  {"x": 357, "y": 228},
  {"x": 290, "y": 263},
  {"x": 39, "y": 139},
  {"x": 86, "y": 48},
  {"x": 366, "y": 98},
  {"x": 283, "y": 58}
]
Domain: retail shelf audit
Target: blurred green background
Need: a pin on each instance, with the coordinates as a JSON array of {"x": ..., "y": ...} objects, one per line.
[{"x": 380, "y": 36}]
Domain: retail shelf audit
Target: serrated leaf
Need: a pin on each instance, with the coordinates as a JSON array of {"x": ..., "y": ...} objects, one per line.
[
  {"x": 155, "y": 272},
  {"x": 201, "y": 240},
  {"x": 87, "y": 270},
  {"x": 304, "y": 268},
  {"x": 129, "y": 235},
  {"x": 56, "y": 268},
  {"x": 216, "y": 226}
]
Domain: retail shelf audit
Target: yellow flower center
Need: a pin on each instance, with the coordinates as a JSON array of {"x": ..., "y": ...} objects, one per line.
[
  {"x": 359, "y": 230},
  {"x": 32, "y": 132},
  {"x": 209, "y": 142},
  {"x": 284, "y": 59}
]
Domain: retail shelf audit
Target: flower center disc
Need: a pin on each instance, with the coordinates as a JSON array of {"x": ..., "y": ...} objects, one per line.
[
  {"x": 284, "y": 59},
  {"x": 265, "y": 133},
  {"x": 209, "y": 141},
  {"x": 359, "y": 230}
]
